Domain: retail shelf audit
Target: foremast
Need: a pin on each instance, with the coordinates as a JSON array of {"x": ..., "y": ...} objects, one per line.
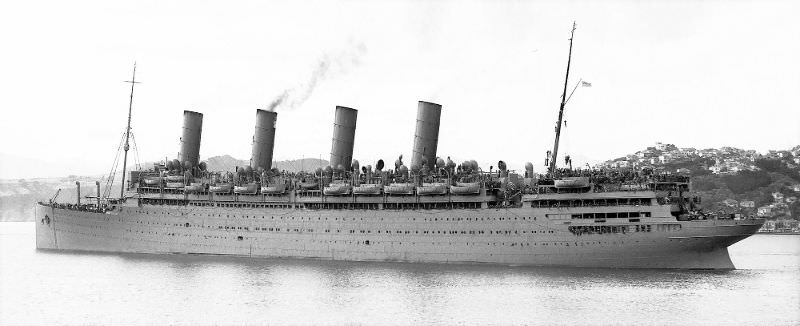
[
  {"x": 554, "y": 155},
  {"x": 127, "y": 134}
]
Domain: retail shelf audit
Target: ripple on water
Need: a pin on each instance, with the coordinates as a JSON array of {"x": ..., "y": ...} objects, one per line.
[{"x": 45, "y": 287}]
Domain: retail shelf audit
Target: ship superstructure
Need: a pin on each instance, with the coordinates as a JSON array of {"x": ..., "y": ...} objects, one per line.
[{"x": 433, "y": 210}]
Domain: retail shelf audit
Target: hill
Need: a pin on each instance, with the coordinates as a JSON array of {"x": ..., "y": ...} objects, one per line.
[
  {"x": 229, "y": 163},
  {"x": 18, "y": 196},
  {"x": 730, "y": 179}
]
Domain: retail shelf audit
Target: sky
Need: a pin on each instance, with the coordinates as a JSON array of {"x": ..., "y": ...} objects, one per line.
[{"x": 693, "y": 73}]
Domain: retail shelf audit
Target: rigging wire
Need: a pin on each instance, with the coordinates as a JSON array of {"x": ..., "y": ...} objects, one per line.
[
  {"x": 136, "y": 153},
  {"x": 113, "y": 172}
]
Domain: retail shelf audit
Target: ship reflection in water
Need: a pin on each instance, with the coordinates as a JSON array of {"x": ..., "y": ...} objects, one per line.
[{"x": 47, "y": 287}]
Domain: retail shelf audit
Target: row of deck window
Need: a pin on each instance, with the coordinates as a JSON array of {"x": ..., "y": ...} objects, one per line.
[
  {"x": 610, "y": 229},
  {"x": 368, "y": 242},
  {"x": 359, "y": 206},
  {"x": 302, "y": 218},
  {"x": 474, "y": 232},
  {"x": 548, "y": 203},
  {"x": 242, "y": 205},
  {"x": 598, "y": 216}
]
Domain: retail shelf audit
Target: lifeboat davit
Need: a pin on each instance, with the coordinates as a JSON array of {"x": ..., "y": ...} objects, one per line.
[
  {"x": 247, "y": 189},
  {"x": 274, "y": 189},
  {"x": 336, "y": 189},
  {"x": 367, "y": 189},
  {"x": 399, "y": 189},
  {"x": 432, "y": 189},
  {"x": 571, "y": 182},
  {"x": 465, "y": 188},
  {"x": 222, "y": 188}
]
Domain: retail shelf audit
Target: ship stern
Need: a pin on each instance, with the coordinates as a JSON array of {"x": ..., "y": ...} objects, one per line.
[{"x": 45, "y": 221}]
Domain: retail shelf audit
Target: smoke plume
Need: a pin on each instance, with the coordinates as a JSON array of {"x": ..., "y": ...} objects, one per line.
[{"x": 328, "y": 66}]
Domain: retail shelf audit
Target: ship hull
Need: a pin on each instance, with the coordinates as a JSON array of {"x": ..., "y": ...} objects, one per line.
[{"x": 496, "y": 236}]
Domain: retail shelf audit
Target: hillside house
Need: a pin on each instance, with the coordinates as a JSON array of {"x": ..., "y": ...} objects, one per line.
[{"x": 730, "y": 202}]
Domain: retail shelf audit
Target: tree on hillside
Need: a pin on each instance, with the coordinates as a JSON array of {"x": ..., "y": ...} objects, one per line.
[
  {"x": 706, "y": 183},
  {"x": 777, "y": 166},
  {"x": 697, "y": 166},
  {"x": 745, "y": 181}
]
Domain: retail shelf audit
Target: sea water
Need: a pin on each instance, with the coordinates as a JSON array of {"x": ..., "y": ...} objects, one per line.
[{"x": 50, "y": 288}]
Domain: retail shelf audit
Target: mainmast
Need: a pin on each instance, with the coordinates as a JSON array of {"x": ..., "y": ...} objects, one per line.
[
  {"x": 127, "y": 134},
  {"x": 563, "y": 102}
]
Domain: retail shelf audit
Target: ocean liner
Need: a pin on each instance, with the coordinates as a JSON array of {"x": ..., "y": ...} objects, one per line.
[{"x": 432, "y": 210}]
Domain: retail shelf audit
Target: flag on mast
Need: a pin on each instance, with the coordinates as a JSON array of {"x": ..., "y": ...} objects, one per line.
[{"x": 586, "y": 84}]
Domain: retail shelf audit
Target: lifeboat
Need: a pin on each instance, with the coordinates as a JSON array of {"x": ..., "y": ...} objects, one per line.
[
  {"x": 465, "y": 188},
  {"x": 221, "y": 188},
  {"x": 572, "y": 182},
  {"x": 336, "y": 189},
  {"x": 174, "y": 178},
  {"x": 247, "y": 189},
  {"x": 432, "y": 189},
  {"x": 153, "y": 181},
  {"x": 633, "y": 187},
  {"x": 399, "y": 189},
  {"x": 175, "y": 185},
  {"x": 367, "y": 189},
  {"x": 274, "y": 189},
  {"x": 309, "y": 185},
  {"x": 194, "y": 187}
]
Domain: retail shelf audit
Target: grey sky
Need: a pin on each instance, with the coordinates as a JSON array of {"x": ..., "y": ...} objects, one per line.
[{"x": 697, "y": 74}]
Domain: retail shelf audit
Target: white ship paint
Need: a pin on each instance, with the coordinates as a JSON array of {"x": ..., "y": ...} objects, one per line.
[{"x": 517, "y": 236}]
